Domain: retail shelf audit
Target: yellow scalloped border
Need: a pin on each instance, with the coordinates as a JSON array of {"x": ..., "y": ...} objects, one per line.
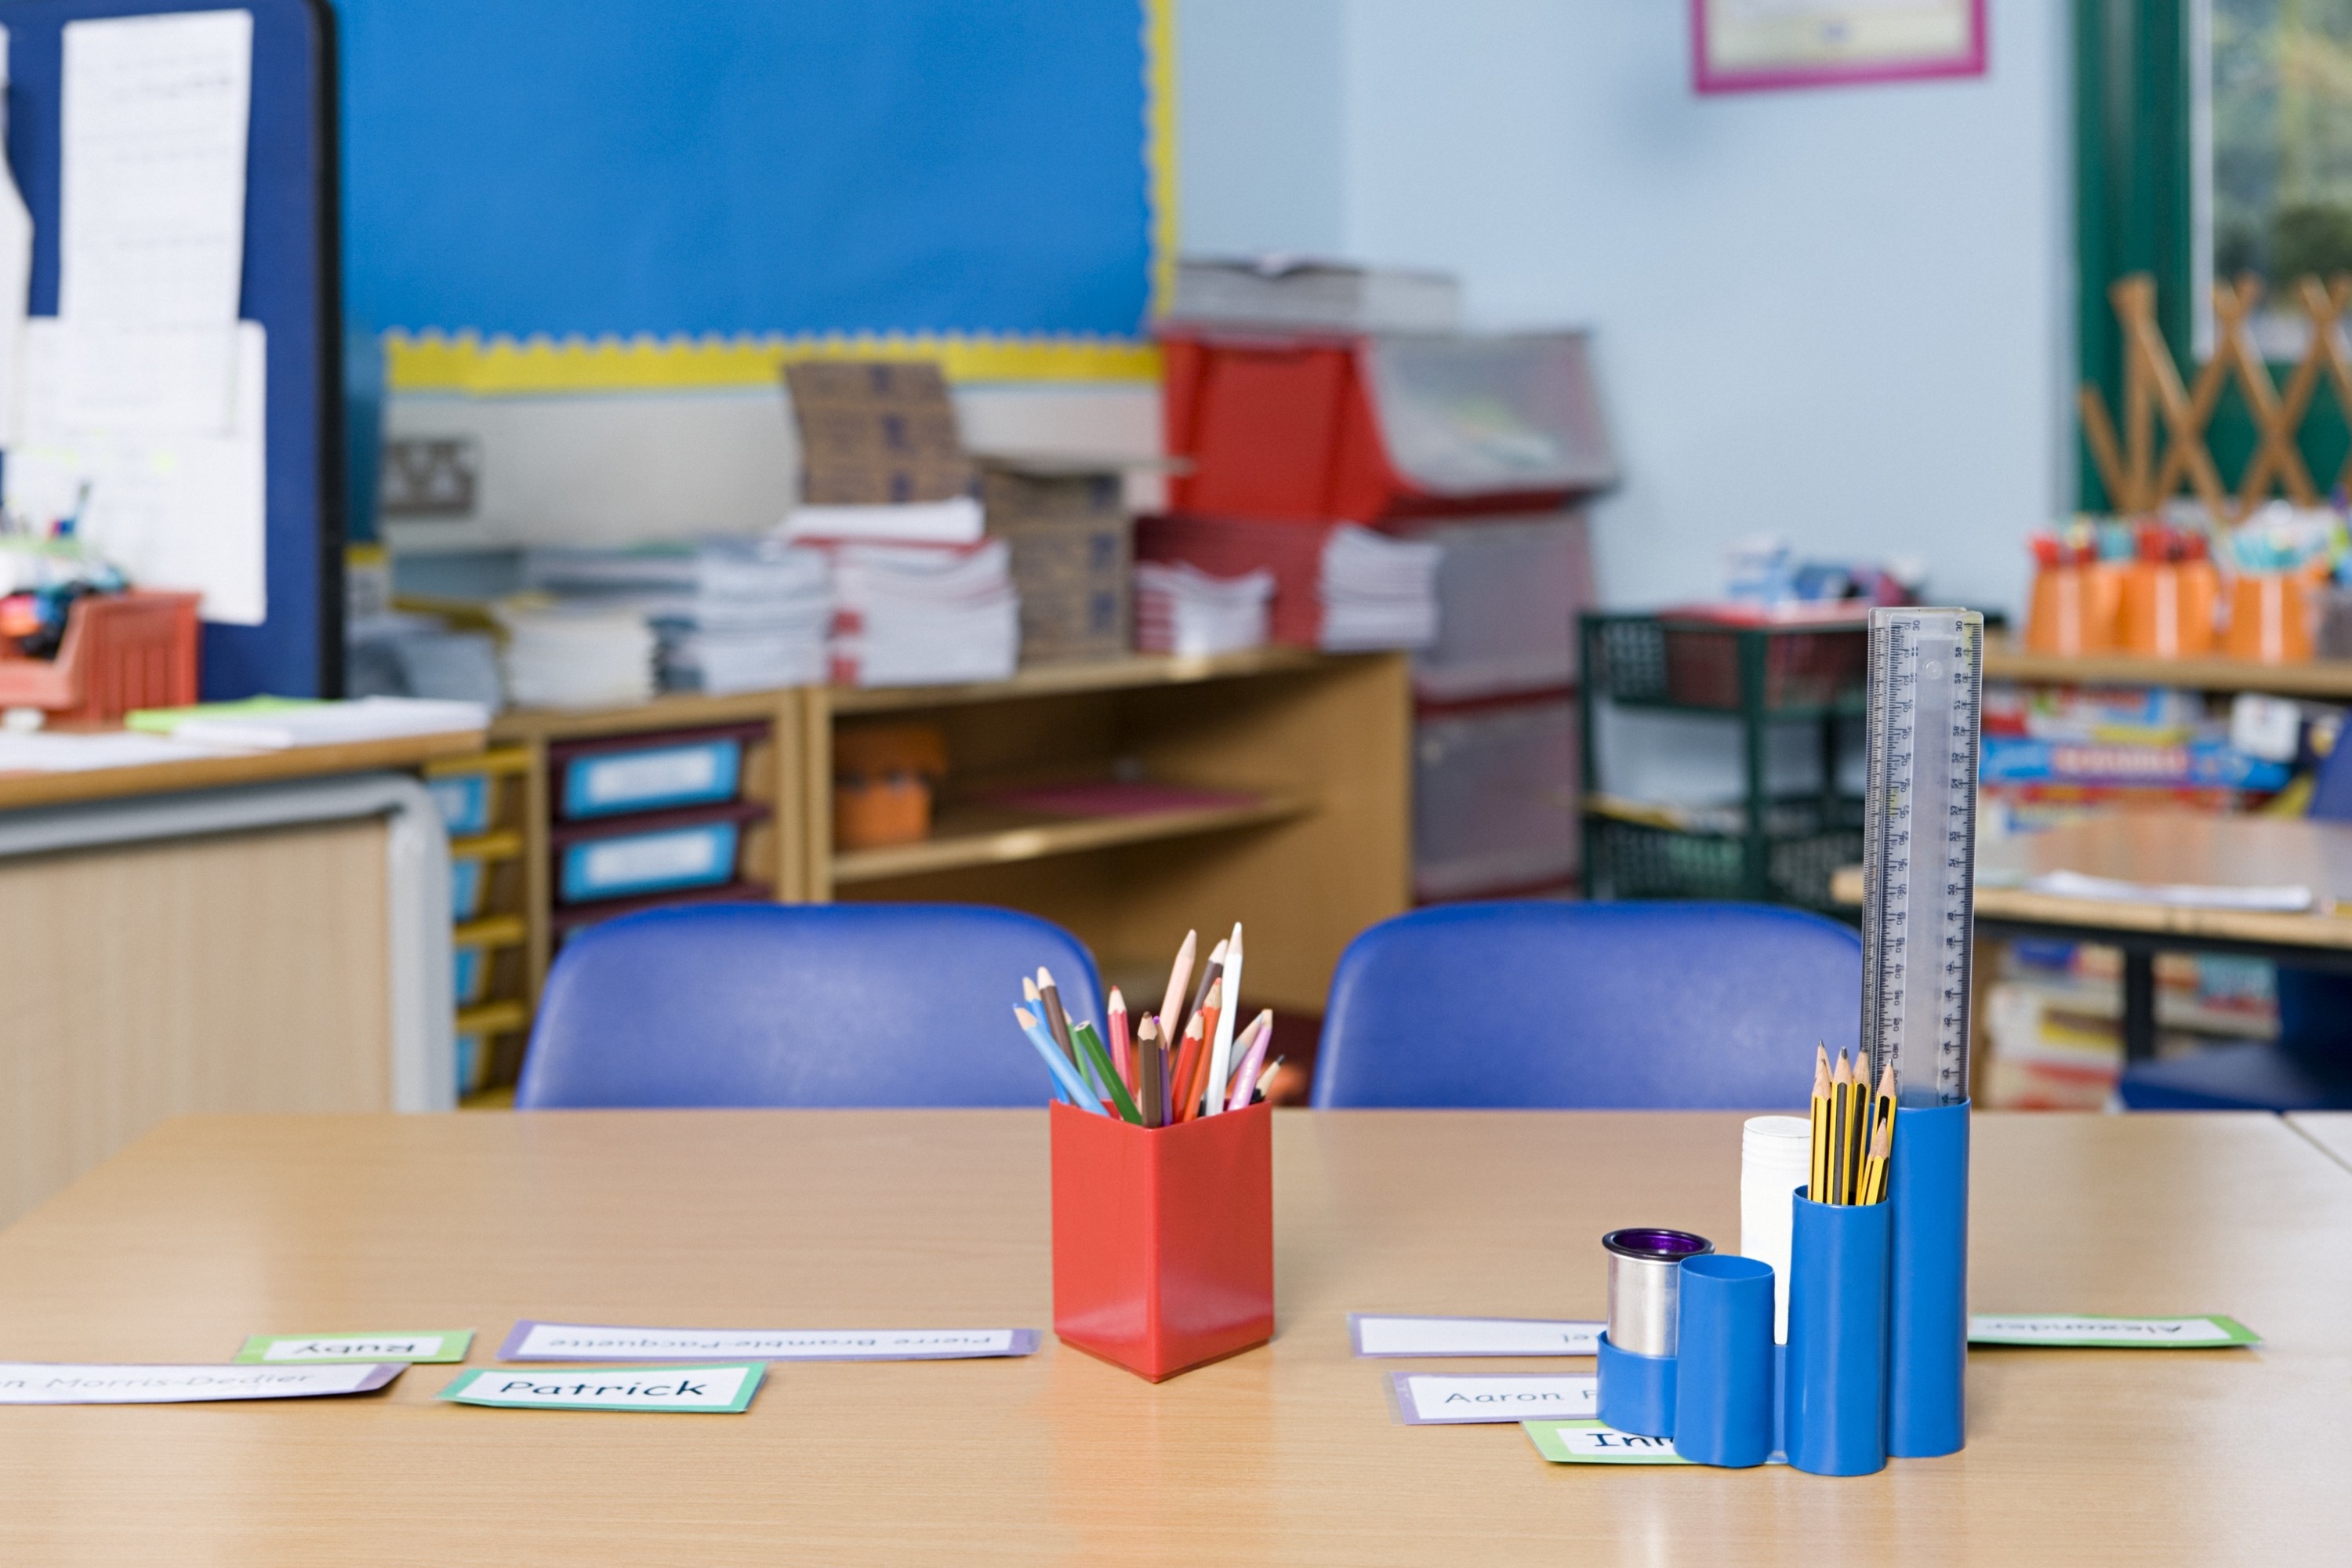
[{"x": 503, "y": 366}]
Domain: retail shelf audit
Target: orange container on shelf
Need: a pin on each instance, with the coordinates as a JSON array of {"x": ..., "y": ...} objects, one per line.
[
  {"x": 2270, "y": 617},
  {"x": 2074, "y": 610},
  {"x": 1164, "y": 1238},
  {"x": 883, "y": 777},
  {"x": 2168, "y": 608},
  {"x": 120, "y": 651}
]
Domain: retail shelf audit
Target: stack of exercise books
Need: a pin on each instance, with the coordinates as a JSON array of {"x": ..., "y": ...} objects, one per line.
[
  {"x": 575, "y": 654},
  {"x": 924, "y": 614},
  {"x": 1180, "y": 609},
  {"x": 727, "y": 614},
  {"x": 1337, "y": 586}
]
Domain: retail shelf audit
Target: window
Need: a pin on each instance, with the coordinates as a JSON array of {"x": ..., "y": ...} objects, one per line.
[{"x": 2277, "y": 168}]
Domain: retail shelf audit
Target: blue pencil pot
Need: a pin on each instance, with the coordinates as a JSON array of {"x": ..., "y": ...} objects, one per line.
[
  {"x": 1723, "y": 1382},
  {"x": 1636, "y": 1391},
  {"x": 1838, "y": 1266},
  {"x": 1927, "y": 1191}
]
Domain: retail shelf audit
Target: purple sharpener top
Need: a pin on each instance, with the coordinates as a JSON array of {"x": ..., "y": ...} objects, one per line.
[{"x": 1666, "y": 1246}]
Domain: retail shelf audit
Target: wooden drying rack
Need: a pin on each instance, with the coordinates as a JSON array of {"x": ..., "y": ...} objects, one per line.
[{"x": 2138, "y": 480}]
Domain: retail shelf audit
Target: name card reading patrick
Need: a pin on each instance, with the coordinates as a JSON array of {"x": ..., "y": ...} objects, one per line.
[
  {"x": 37, "y": 1382},
  {"x": 1432, "y": 1399},
  {"x": 684, "y": 1390},
  {"x": 582, "y": 1342},
  {"x": 432, "y": 1345},
  {"x": 1378, "y": 1336},
  {"x": 2211, "y": 1332}
]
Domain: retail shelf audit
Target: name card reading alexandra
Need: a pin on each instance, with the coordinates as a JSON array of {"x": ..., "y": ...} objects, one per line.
[
  {"x": 581, "y": 1341},
  {"x": 1431, "y": 1399},
  {"x": 37, "y": 1382},
  {"x": 684, "y": 1390},
  {"x": 435, "y": 1345},
  {"x": 2059, "y": 1328},
  {"x": 1377, "y": 1335}
]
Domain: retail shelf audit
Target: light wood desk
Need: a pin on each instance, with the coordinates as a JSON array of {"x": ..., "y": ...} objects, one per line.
[
  {"x": 2331, "y": 1129},
  {"x": 2167, "y": 846},
  {"x": 215, "y": 1229}
]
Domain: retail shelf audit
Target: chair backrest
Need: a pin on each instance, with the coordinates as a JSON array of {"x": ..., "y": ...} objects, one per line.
[
  {"x": 1556, "y": 1005},
  {"x": 810, "y": 1004}
]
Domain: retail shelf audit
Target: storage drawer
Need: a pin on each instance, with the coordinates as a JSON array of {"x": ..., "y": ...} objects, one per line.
[
  {"x": 470, "y": 883},
  {"x": 681, "y": 851},
  {"x": 1495, "y": 800},
  {"x": 1509, "y": 592},
  {"x": 466, "y": 801},
  {"x": 472, "y": 974},
  {"x": 662, "y": 772}
]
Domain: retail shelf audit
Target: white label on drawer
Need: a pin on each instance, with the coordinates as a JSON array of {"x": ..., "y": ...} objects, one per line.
[
  {"x": 656, "y": 858},
  {"x": 687, "y": 769}
]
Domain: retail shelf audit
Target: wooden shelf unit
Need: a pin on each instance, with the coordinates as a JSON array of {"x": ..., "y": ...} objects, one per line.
[
  {"x": 2005, "y": 659},
  {"x": 1322, "y": 849}
]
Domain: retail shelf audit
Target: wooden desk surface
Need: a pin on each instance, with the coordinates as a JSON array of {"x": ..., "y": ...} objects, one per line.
[
  {"x": 2156, "y": 846},
  {"x": 2331, "y": 1129},
  {"x": 217, "y": 1228},
  {"x": 22, "y": 789}
]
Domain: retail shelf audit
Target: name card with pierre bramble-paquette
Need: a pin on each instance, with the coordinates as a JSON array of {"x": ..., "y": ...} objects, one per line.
[{"x": 581, "y": 1341}]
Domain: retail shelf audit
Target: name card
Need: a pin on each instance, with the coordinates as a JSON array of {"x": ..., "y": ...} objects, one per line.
[
  {"x": 533, "y": 1341},
  {"x": 1590, "y": 1443},
  {"x": 2127, "y": 1333},
  {"x": 1432, "y": 1399},
  {"x": 37, "y": 1382},
  {"x": 1377, "y": 1335},
  {"x": 688, "y": 1390},
  {"x": 434, "y": 1345}
]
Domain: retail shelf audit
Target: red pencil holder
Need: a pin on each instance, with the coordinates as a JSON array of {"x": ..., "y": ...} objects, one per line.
[{"x": 1164, "y": 1238}]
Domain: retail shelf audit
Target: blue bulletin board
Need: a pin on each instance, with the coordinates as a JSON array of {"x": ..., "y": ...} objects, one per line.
[
  {"x": 290, "y": 286},
  {"x": 572, "y": 194}
]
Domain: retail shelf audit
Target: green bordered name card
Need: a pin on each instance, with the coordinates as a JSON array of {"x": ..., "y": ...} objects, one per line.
[
  {"x": 723, "y": 1390},
  {"x": 2061, "y": 1330},
  {"x": 430, "y": 1345},
  {"x": 1590, "y": 1443}
]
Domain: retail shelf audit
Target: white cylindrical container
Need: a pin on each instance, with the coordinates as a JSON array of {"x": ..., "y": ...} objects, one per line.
[{"x": 1775, "y": 1156}]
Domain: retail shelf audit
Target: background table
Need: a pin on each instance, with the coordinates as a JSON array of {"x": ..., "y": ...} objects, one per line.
[
  {"x": 2165, "y": 847},
  {"x": 214, "y": 1228}
]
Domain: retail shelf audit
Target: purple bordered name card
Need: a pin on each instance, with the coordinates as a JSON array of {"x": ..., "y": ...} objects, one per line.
[
  {"x": 1448, "y": 1399},
  {"x": 535, "y": 1341},
  {"x": 1382, "y": 1334},
  {"x": 182, "y": 1383}
]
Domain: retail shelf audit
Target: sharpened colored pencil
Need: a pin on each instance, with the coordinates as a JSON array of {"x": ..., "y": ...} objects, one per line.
[
  {"x": 1187, "y": 1062},
  {"x": 1074, "y": 1088},
  {"x": 1170, "y": 1023},
  {"x": 1244, "y": 1084},
  {"x": 1151, "y": 1073},
  {"x": 1221, "y": 1035},
  {"x": 1091, "y": 1044},
  {"x": 1122, "y": 1054}
]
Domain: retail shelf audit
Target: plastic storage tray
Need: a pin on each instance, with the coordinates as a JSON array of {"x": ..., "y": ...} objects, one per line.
[
  {"x": 597, "y": 779},
  {"x": 1315, "y": 427},
  {"x": 673, "y": 851},
  {"x": 466, "y": 801},
  {"x": 471, "y": 973},
  {"x": 1495, "y": 800},
  {"x": 1508, "y": 591},
  {"x": 469, "y": 884}
]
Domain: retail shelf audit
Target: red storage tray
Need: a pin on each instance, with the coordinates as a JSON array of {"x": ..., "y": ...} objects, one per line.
[
  {"x": 1164, "y": 1238},
  {"x": 120, "y": 652},
  {"x": 1366, "y": 428}
]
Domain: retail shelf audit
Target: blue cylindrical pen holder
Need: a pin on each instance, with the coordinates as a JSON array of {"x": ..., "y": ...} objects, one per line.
[
  {"x": 1636, "y": 1391},
  {"x": 1837, "y": 1337},
  {"x": 1723, "y": 1377},
  {"x": 1928, "y": 1190}
]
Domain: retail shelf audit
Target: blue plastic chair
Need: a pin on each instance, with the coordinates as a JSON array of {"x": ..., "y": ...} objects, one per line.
[
  {"x": 1553, "y": 1006},
  {"x": 810, "y": 1004},
  {"x": 2310, "y": 1068}
]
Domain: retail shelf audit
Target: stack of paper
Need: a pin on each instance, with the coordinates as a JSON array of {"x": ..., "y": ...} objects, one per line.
[
  {"x": 1378, "y": 592},
  {"x": 923, "y": 615},
  {"x": 729, "y": 614},
  {"x": 958, "y": 519},
  {"x": 1180, "y": 609},
  {"x": 576, "y": 655},
  {"x": 274, "y": 723}
]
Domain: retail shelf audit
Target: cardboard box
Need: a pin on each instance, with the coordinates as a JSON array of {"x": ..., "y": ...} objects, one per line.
[
  {"x": 875, "y": 432},
  {"x": 1072, "y": 546}
]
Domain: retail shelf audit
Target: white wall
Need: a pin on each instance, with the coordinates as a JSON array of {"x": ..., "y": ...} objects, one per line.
[
  {"x": 1261, "y": 96},
  {"x": 1841, "y": 314}
]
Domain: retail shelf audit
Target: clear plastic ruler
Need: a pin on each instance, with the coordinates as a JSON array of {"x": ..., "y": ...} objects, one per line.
[{"x": 1919, "y": 849}]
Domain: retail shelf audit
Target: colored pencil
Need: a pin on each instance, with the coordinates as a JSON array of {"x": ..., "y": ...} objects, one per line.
[
  {"x": 1266, "y": 1079},
  {"x": 1150, "y": 1074},
  {"x": 1209, "y": 976},
  {"x": 1170, "y": 1025},
  {"x": 1091, "y": 1044},
  {"x": 1057, "y": 1022},
  {"x": 1196, "y": 1087},
  {"x": 1244, "y": 1084},
  {"x": 1221, "y": 1049},
  {"x": 1122, "y": 1056},
  {"x": 1074, "y": 1088},
  {"x": 1186, "y": 1060}
]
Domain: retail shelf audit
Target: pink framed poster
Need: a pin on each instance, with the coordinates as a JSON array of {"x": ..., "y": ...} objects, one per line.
[{"x": 1739, "y": 46}]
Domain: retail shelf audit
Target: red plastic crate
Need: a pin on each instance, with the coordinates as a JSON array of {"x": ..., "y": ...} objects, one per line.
[
  {"x": 1163, "y": 1238},
  {"x": 1365, "y": 429}
]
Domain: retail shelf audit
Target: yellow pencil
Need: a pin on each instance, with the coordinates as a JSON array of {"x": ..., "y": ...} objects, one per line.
[
  {"x": 1882, "y": 1144},
  {"x": 1820, "y": 1190},
  {"x": 1841, "y": 1117},
  {"x": 1857, "y": 1127}
]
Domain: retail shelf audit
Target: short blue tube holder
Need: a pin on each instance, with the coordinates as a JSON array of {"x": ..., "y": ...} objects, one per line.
[{"x": 1636, "y": 1391}]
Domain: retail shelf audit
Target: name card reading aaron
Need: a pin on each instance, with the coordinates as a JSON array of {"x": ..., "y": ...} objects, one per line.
[
  {"x": 1432, "y": 1399},
  {"x": 1375, "y": 1334},
  {"x": 37, "y": 1382},
  {"x": 686, "y": 1390},
  {"x": 433, "y": 1345},
  {"x": 533, "y": 1341},
  {"x": 2059, "y": 1328}
]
